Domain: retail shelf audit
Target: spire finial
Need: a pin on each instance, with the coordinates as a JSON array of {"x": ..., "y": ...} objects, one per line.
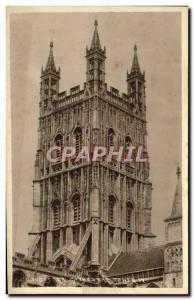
[
  {"x": 135, "y": 48},
  {"x": 51, "y": 44},
  {"x": 95, "y": 23}
]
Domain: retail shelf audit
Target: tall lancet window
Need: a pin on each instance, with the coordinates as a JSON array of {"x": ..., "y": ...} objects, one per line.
[
  {"x": 59, "y": 143},
  {"x": 129, "y": 215},
  {"x": 128, "y": 141},
  {"x": 78, "y": 140},
  {"x": 111, "y": 135},
  {"x": 91, "y": 70},
  {"x": 76, "y": 208},
  {"x": 111, "y": 207},
  {"x": 56, "y": 213}
]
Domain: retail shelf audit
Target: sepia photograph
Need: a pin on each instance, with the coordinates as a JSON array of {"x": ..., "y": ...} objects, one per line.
[{"x": 97, "y": 150}]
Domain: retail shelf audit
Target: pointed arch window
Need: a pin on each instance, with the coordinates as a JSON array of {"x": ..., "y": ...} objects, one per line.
[
  {"x": 76, "y": 208},
  {"x": 111, "y": 135},
  {"x": 59, "y": 143},
  {"x": 65, "y": 184},
  {"x": 91, "y": 65},
  {"x": 128, "y": 141},
  {"x": 129, "y": 215},
  {"x": 56, "y": 213},
  {"x": 111, "y": 206},
  {"x": 78, "y": 140},
  {"x": 75, "y": 233},
  {"x": 56, "y": 240}
]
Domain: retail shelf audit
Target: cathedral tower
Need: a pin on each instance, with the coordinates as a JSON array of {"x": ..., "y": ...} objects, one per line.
[{"x": 85, "y": 213}]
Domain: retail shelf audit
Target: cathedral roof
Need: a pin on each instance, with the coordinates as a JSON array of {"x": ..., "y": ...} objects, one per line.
[
  {"x": 135, "y": 68},
  {"x": 50, "y": 66},
  {"x": 95, "y": 40},
  {"x": 146, "y": 259},
  {"x": 177, "y": 203}
]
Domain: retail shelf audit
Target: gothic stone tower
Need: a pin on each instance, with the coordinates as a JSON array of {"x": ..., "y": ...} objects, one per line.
[
  {"x": 173, "y": 273},
  {"x": 86, "y": 213}
]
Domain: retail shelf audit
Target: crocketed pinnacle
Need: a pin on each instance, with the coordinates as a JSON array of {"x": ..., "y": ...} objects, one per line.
[
  {"x": 50, "y": 66},
  {"x": 177, "y": 204},
  {"x": 95, "y": 40},
  {"x": 135, "y": 68}
]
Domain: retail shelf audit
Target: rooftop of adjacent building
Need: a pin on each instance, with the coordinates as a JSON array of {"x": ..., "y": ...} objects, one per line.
[{"x": 138, "y": 261}]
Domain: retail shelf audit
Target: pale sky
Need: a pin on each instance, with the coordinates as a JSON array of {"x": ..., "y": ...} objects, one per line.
[{"x": 158, "y": 38}]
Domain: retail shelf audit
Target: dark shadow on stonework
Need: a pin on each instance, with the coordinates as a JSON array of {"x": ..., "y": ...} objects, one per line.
[
  {"x": 19, "y": 278},
  {"x": 50, "y": 281}
]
